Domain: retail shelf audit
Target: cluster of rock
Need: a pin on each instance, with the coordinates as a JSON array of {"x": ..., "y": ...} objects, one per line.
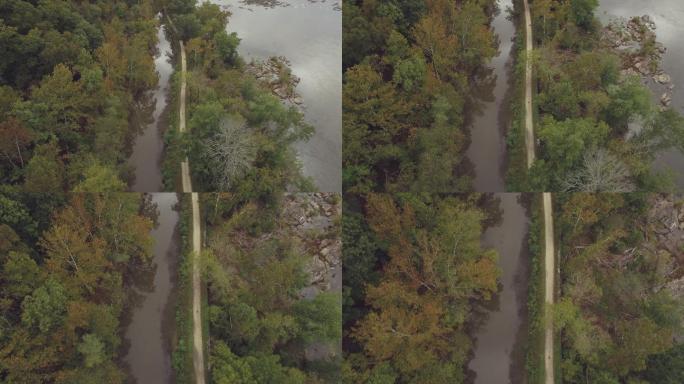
[
  {"x": 314, "y": 219},
  {"x": 666, "y": 221},
  {"x": 634, "y": 40},
  {"x": 276, "y": 74}
]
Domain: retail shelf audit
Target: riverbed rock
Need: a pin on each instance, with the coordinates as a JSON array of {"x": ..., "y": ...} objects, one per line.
[
  {"x": 318, "y": 235},
  {"x": 662, "y": 78},
  {"x": 666, "y": 99},
  {"x": 281, "y": 92},
  {"x": 628, "y": 72},
  {"x": 627, "y": 38}
]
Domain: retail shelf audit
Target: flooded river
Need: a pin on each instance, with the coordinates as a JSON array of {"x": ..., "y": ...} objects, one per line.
[
  {"x": 149, "y": 145},
  {"x": 668, "y": 16},
  {"x": 487, "y": 149},
  {"x": 149, "y": 355},
  {"x": 499, "y": 356},
  {"x": 309, "y": 34}
]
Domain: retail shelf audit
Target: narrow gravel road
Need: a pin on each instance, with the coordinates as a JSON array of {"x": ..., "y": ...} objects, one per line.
[
  {"x": 185, "y": 168},
  {"x": 549, "y": 286},
  {"x": 529, "y": 128},
  {"x": 549, "y": 259},
  {"x": 197, "y": 345}
]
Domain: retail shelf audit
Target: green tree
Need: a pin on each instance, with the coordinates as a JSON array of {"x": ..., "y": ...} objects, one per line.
[
  {"x": 583, "y": 12},
  {"x": 666, "y": 368},
  {"x": 409, "y": 73},
  {"x": 320, "y": 318},
  {"x": 100, "y": 178},
  {"x": 229, "y": 368},
  {"x": 21, "y": 275},
  {"x": 226, "y": 46},
  {"x": 565, "y": 142},
  {"x": 45, "y": 171},
  {"x": 92, "y": 350},
  {"x": 45, "y": 309},
  {"x": 629, "y": 100}
]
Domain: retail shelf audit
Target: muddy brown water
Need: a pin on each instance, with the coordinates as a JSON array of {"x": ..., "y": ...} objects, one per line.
[
  {"x": 149, "y": 145},
  {"x": 309, "y": 34},
  {"x": 487, "y": 150},
  {"x": 499, "y": 340},
  {"x": 668, "y": 16},
  {"x": 148, "y": 335}
]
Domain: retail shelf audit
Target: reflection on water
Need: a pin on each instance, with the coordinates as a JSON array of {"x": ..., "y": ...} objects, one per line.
[
  {"x": 309, "y": 34},
  {"x": 498, "y": 356},
  {"x": 489, "y": 112},
  {"x": 668, "y": 16},
  {"x": 149, "y": 145},
  {"x": 149, "y": 355}
]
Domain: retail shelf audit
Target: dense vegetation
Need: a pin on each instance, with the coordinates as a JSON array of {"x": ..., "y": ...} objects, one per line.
[
  {"x": 68, "y": 266},
  {"x": 240, "y": 135},
  {"x": 73, "y": 82},
  {"x": 414, "y": 273},
  {"x": 620, "y": 310},
  {"x": 260, "y": 325},
  {"x": 410, "y": 67},
  {"x": 534, "y": 343},
  {"x": 588, "y": 108}
]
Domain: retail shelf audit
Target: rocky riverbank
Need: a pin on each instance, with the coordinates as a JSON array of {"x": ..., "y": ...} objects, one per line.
[
  {"x": 276, "y": 74},
  {"x": 314, "y": 219},
  {"x": 634, "y": 41},
  {"x": 664, "y": 238}
]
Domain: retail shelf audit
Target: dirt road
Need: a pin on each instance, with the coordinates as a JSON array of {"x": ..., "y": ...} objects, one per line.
[
  {"x": 549, "y": 258},
  {"x": 185, "y": 168},
  {"x": 529, "y": 127},
  {"x": 197, "y": 345},
  {"x": 549, "y": 286}
]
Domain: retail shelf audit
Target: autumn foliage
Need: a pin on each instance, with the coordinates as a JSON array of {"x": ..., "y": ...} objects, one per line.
[{"x": 432, "y": 270}]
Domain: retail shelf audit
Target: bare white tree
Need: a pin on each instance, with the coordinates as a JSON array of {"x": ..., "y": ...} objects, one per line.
[
  {"x": 601, "y": 172},
  {"x": 232, "y": 151}
]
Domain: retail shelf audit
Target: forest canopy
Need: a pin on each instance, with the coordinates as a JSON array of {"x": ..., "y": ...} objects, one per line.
[
  {"x": 414, "y": 272},
  {"x": 409, "y": 68},
  {"x": 68, "y": 271},
  {"x": 72, "y": 78},
  {"x": 271, "y": 320},
  {"x": 241, "y": 134},
  {"x": 597, "y": 127},
  {"x": 621, "y": 307}
]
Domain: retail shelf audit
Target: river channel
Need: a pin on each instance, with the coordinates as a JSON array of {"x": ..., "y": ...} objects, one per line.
[
  {"x": 148, "y": 333},
  {"x": 499, "y": 355},
  {"x": 309, "y": 34},
  {"x": 487, "y": 150},
  {"x": 668, "y": 16},
  {"x": 149, "y": 145}
]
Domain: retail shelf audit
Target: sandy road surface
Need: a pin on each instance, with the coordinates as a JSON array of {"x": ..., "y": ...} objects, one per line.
[
  {"x": 549, "y": 286},
  {"x": 197, "y": 345}
]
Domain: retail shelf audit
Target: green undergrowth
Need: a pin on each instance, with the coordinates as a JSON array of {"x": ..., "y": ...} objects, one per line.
[
  {"x": 516, "y": 172},
  {"x": 182, "y": 349},
  {"x": 535, "y": 297}
]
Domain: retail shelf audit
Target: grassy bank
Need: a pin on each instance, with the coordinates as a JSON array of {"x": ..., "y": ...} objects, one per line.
[
  {"x": 182, "y": 351},
  {"x": 516, "y": 172},
  {"x": 173, "y": 154},
  {"x": 535, "y": 297}
]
